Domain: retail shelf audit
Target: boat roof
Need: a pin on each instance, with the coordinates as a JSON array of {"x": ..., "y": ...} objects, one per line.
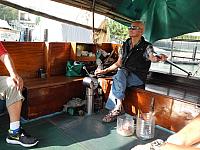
[{"x": 163, "y": 19}]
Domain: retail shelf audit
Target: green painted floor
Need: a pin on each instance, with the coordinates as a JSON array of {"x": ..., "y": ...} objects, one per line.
[{"x": 64, "y": 132}]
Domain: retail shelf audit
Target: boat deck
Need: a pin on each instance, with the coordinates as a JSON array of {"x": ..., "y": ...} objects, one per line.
[{"x": 65, "y": 132}]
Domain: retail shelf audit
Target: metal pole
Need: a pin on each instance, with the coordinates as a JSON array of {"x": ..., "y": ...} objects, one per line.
[
  {"x": 173, "y": 64},
  {"x": 170, "y": 69},
  {"x": 90, "y": 100},
  {"x": 93, "y": 8}
]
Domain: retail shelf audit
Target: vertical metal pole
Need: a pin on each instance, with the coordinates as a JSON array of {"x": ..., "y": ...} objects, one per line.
[
  {"x": 90, "y": 100},
  {"x": 194, "y": 53},
  {"x": 170, "y": 69},
  {"x": 93, "y": 8}
]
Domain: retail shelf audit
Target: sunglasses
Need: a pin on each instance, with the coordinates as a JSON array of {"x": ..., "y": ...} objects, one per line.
[{"x": 134, "y": 28}]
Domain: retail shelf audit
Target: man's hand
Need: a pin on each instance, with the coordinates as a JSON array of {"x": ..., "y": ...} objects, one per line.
[
  {"x": 99, "y": 71},
  {"x": 161, "y": 57},
  {"x": 18, "y": 81}
]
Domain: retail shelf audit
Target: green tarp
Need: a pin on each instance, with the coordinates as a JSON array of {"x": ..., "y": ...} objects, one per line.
[{"x": 163, "y": 18}]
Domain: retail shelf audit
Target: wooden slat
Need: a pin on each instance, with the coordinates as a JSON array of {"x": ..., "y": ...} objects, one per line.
[
  {"x": 47, "y": 99},
  {"x": 166, "y": 112},
  {"x": 52, "y": 81},
  {"x": 58, "y": 55},
  {"x": 28, "y": 57},
  {"x": 182, "y": 113},
  {"x": 105, "y": 84}
]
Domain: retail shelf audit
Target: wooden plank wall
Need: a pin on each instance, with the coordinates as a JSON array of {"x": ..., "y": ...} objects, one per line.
[
  {"x": 58, "y": 55},
  {"x": 28, "y": 57},
  {"x": 170, "y": 113},
  {"x": 109, "y": 47}
]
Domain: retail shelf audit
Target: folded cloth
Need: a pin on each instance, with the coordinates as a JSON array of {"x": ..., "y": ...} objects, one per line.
[{"x": 154, "y": 145}]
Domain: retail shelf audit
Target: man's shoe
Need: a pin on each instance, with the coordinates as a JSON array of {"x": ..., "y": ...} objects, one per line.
[{"x": 21, "y": 138}]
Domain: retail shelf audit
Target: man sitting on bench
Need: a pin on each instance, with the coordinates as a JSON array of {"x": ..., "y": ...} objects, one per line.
[{"x": 133, "y": 63}]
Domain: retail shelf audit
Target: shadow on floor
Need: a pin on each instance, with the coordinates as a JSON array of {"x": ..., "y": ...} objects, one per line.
[{"x": 64, "y": 132}]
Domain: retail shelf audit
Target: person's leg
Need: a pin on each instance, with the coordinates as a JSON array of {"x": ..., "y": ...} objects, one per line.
[
  {"x": 14, "y": 100},
  {"x": 121, "y": 81},
  {"x": 117, "y": 92},
  {"x": 133, "y": 80},
  {"x": 14, "y": 111}
]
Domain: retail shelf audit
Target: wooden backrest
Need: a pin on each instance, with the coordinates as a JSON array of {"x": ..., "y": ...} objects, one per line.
[
  {"x": 28, "y": 58},
  {"x": 58, "y": 55},
  {"x": 108, "y": 47},
  {"x": 170, "y": 113}
]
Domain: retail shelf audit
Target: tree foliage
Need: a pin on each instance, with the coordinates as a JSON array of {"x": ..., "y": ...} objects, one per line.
[
  {"x": 8, "y": 13},
  {"x": 118, "y": 32}
]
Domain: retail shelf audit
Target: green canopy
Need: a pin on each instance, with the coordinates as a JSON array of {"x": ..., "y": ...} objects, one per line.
[{"x": 163, "y": 18}]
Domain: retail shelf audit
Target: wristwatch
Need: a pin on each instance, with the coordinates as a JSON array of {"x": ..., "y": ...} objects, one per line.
[{"x": 155, "y": 145}]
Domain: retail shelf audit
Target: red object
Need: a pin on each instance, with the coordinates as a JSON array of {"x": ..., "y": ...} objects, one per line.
[{"x": 2, "y": 49}]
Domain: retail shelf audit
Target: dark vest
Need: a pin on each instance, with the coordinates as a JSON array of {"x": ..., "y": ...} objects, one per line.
[{"x": 133, "y": 59}]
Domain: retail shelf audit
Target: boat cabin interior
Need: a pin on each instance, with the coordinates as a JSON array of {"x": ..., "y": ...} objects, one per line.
[{"x": 176, "y": 99}]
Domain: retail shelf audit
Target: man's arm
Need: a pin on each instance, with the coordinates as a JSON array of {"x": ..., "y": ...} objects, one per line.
[
  {"x": 114, "y": 66},
  {"x": 169, "y": 146},
  {"x": 150, "y": 55},
  {"x": 6, "y": 59},
  {"x": 189, "y": 135}
]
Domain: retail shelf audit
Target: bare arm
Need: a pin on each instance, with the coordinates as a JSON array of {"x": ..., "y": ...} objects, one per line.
[
  {"x": 111, "y": 68},
  {"x": 6, "y": 59},
  {"x": 189, "y": 135},
  {"x": 169, "y": 146}
]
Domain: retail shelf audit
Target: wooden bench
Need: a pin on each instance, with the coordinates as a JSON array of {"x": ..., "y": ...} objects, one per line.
[
  {"x": 43, "y": 96},
  {"x": 57, "y": 89},
  {"x": 172, "y": 111}
]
